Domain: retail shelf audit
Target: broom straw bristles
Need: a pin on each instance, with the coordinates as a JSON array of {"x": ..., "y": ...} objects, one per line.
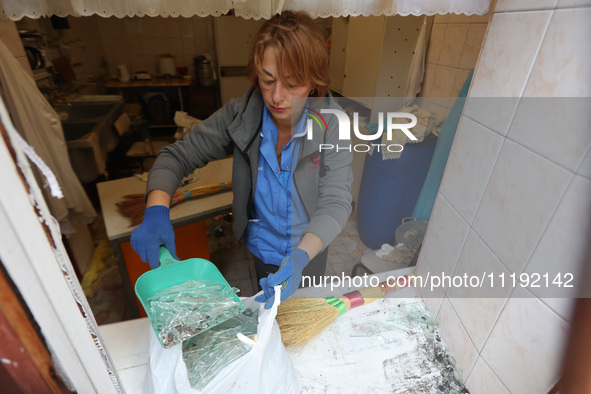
[
  {"x": 300, "y": 319},
  {"x": 133, "y": 205}
]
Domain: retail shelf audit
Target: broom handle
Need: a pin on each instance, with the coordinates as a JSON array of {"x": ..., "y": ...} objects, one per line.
[
  {"x": 369, "y": 294},
  {"x": 200, "y": 191}
]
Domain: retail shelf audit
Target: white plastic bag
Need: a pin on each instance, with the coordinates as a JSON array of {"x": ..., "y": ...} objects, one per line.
[{"x": 266, "y": 368}]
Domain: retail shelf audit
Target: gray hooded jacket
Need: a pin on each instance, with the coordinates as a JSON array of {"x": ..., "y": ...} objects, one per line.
[{"x": 322, "y": 179}]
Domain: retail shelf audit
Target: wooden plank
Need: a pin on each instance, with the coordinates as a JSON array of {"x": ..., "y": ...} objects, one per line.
[
  {"x": 18, "y": 363},
  {"x": 18, "y": 334}
]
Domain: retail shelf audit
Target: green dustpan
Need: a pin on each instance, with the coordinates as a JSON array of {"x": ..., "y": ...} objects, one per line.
[{"x": 172, "y": 273}]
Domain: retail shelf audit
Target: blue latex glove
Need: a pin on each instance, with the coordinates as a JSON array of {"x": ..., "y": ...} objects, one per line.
[
  {"x": 289, "y": 276},
  {"x": 155, "y": 230}
]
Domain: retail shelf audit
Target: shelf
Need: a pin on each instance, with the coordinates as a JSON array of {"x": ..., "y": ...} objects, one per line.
[
  {"x": 41, "y": 74},
  {"x": 154, "y": 82},
  {"x": 155, "y": 126}
]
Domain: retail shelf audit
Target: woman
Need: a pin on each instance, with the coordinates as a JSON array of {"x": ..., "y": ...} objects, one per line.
[{"x": 267, "y": 132}]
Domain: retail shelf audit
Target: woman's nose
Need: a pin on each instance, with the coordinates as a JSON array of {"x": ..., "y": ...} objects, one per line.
[{"x": 278, "y": 92}]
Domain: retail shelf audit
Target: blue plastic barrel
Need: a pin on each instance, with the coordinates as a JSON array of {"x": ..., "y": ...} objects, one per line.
[{"x": 389, "y": 191}]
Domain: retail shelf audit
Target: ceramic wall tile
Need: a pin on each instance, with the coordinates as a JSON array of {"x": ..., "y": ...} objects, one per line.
[
  {"x": 120, "y": 46},
  {"x": 435, "y": 43},
  {"x": 144, "y": 46},
  {"x": 573, "y": 3},
  {"x": 444, "y": 238},
  {"x": 561, "y": 306},
  {"x": 482, "y": 294},
  {"x": 439, "y": 18},
  {"x": 522, "y": 193},
  {"x": 525, "y": 345},
  {"x": 458, "y": 18},
  {"x": 186, "y": 28},
  {"x": 585, "y": 166},
  {"x": 427, "y": 86},
  {"x": 175, "y": 48},
  {"x": 173, "y": 27},
  {"x": 453, "y": 42},
  {"x": 483, "y": 18},
  {"x": 443, "y": 81},
  {"x": 154, "y": 27},
  {"x": 469, "y": 166},
  {"x": 480, "y": 18},
  {"x": 200, "y": 27},
  {"x": 556, "y": 128},
  {"x": 133, "y": 27},
  {"x": 564, "y": 246},
  {"x": 160, "y": 46},
  {"x": 562, "y": 67},
  {"x": 493, "y": 112},
  {"x": 431, "y": 297},
  {"x": 505, "y": 62},
  {"x": 524, "y": 5},
  {"x": 472, "y": 45},
  {"x": 112, "y": 27},
  {"x": 483, "y": 380},
  {"x": 456, "y": 338},
  {"x": 203, "y": 46}
]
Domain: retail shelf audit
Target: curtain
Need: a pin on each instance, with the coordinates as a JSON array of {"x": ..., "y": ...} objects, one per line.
[{"x": 16, "y": 9}]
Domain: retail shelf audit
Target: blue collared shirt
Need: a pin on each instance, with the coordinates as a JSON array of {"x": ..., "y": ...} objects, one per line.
[{"x": 278, "y": 221}]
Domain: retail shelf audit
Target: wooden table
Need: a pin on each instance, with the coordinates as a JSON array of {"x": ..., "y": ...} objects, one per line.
[{"x": 118, "y": 226}]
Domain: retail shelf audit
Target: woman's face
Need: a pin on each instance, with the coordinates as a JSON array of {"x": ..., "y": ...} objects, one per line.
[{"x": 277, "y": 95}]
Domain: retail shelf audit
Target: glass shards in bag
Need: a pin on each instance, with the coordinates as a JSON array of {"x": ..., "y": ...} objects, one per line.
[
  {"x": 206, "y": 354},
  {"x": 182, "y": 311}
]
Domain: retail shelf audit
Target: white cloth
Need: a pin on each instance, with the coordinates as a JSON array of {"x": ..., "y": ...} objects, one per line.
[
  {"x": 16, "y": 9},
  {"x": 417, "y": 66},
  {"x": 185, "y": 122},
  {"x": 95, "y": 142},
  {"x": 40, "y": 126}
]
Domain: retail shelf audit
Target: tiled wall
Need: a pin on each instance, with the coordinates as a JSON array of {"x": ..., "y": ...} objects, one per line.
[
  {"x": 84, "y": 47},
  {"x": 453, "y": 49},
  {"x": 515, "y": 198},
  {"x": 96, "y": 45},
  {"x": 138, "y": 42}
]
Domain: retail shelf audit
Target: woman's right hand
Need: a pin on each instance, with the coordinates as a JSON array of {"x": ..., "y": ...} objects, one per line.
[{"x": 155, "y": 231}]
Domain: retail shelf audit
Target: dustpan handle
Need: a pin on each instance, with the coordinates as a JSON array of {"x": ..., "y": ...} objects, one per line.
[{"x": 165, "y": 257}]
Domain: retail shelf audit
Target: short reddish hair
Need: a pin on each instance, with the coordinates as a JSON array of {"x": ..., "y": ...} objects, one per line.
[{"x": 302, "y": 52}]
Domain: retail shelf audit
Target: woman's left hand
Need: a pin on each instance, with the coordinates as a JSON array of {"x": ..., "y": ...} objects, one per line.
[{"x": 289, "y": 276}]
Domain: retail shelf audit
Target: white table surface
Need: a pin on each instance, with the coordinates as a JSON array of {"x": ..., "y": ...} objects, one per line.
[
  {"x": 118, "y": 226},
  {"x": 333, "y": 360}
]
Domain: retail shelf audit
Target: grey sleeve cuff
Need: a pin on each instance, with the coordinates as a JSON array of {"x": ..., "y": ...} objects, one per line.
[
  {"x": 324, "y": 227},
  {"x": 162, "y": 179}
]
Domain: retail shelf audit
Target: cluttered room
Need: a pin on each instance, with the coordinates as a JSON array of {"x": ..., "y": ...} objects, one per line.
[{"x": 102, "y": 97}]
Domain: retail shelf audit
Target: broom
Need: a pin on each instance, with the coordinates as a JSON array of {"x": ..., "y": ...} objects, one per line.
[
  {"x": 133, "y": 205},
  {"x": 300, "y": 319}
]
